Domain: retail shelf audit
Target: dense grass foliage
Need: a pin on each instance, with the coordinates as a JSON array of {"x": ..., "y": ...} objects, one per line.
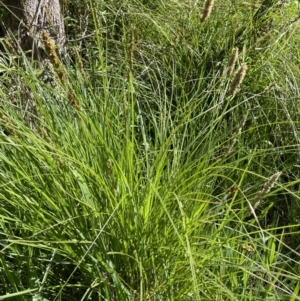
[{"x": 159, "y": 161}]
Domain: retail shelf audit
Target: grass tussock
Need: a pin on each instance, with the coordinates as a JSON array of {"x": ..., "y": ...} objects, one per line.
[{"x": 155, "y": 183}]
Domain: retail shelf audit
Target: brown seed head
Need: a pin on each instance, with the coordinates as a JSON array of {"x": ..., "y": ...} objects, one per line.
[
  {"x": 208, "y": 6},
  {"x": 238, "y": 79},
  {"x": 73, "y": 101},
  {"x": 51, "y": 51},
  {"x": 267, "y": 187}
]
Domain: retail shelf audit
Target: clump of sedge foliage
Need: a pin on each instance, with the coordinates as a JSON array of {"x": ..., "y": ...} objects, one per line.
[{"x": 159, "y": 160}]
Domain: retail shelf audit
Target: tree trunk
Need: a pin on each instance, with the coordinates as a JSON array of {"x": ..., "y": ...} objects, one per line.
[{"x": 28, "y": 18}]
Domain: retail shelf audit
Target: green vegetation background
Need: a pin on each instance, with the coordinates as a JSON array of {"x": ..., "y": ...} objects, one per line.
[{"x": 136, "y": 171}]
